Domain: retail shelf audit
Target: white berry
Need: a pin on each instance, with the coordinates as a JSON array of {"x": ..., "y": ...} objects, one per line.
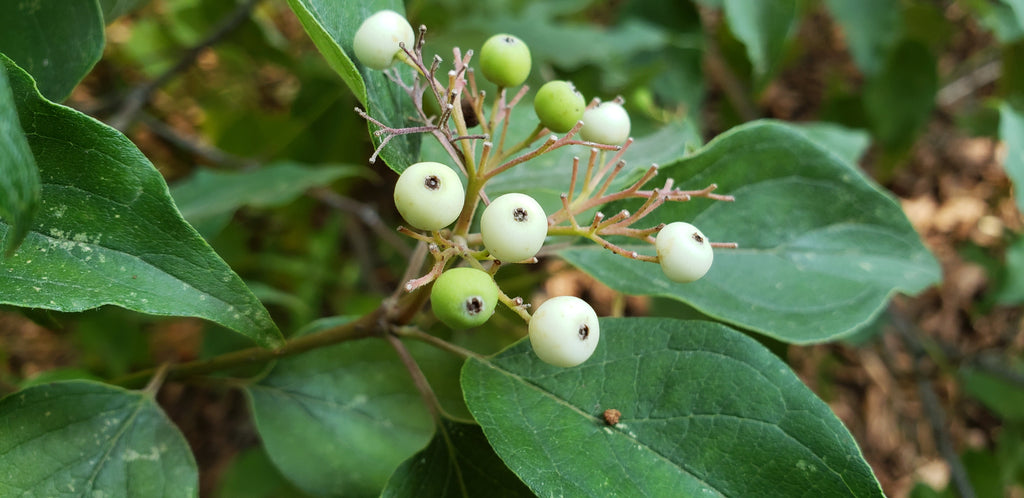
[
  {"x": 684, "y": 253},
  {"x": 607, "y": 123},
  {"x": 429, "y": 195},
  {"x": 376, "y": 41},
  {"x": 564, "y": 331},
  {"x": 513, "y": 227}
]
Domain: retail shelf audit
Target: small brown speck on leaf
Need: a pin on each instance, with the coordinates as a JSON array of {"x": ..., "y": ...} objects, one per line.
[{"x": 612, "y": 416}]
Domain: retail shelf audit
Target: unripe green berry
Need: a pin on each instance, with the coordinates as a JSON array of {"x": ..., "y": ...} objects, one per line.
[
  {"x": 564, "y": 331},
  {"x": 376, "y": 41},
  {"x": 429, "y": 195},
  {"x": 558, "y": 105},
  {"x": 505, "y": 60},
  {"x": 684, "y": 253},
  {"x": 607, "y": 123},
  {"x": 464, "y": 297},
  {"x": 513, "y": 227}
]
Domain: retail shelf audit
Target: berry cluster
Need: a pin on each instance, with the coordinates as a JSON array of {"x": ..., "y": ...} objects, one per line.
[{"x": 431, "y": 196}]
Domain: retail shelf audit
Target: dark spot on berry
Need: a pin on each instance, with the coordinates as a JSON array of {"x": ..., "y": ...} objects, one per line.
[
  {"x": 520, "y": 214},
  {"x": 432, "y": 182},
  {"x": 510, "y": 40},
  {"x": 583, "y": 332},
  {"x": 474, "y": 305},
  {"x": 698, "y": 238}
]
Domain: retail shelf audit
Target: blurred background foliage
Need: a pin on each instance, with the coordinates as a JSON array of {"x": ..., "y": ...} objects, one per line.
[{"x": 258, "y": 140}]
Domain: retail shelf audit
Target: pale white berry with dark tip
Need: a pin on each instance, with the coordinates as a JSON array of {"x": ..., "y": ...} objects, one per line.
[
  {"x": 376, "y": 43},
  {"x": 684, "y": 253},
  {"x": 429, "y": 195},
  {"x": 513, "y": 227},
  {"x": 564, "y": 331}
]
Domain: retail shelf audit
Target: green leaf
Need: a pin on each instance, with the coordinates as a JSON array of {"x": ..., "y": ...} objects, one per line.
[
  {"x": 112, "y": 9},
  {"x": 56, "y": 41},
  {"x": 252, "y": 475},
  {"x": 848, "y": 143},
  {"x": 1001, "y": 395},
  {"x": 84, "y": 438},
  {"x": 705, "y": 411},
  {"x": 208, "y": 198},
  {"x": 107, "y": 231},
  {"x": 821, "y": 247},
  {"x": 763, "y": 27},
  {"x": 871, "y": 28},
  {"x": 456, "y": 464},
  {"x": 332, "y": 25},
  {"x": 901, "y": 97},
  {"x": 342, "y": 418},
  {"x": 19, "y": 178},
  {"x": 1011, "y": 131}
]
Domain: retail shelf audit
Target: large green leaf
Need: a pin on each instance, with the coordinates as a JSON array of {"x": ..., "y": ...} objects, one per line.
[
  {"x": 763, "y": 27},
  {"x": 56, "y": 41},
  {"x": 208, "y": 198},
  {"x": 332, "y": 25},
  {"x": 871, "y": 27},
  {"x": 339, "y": 420},
  {"x": 19, "y": 178},
  {"x": 83, "y": 438},
  {"x": 1011, "y": 131},
  {"x": 107, "y": 231},
  {"x": 112, "y": 9},
  {"x": 705, "y": 411},
  {"x": 821, "y": 247},
  {"x": 458, "y": 463}
]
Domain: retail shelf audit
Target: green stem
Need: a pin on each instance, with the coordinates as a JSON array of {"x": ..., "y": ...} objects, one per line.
[{"x": 374, "y": 323}]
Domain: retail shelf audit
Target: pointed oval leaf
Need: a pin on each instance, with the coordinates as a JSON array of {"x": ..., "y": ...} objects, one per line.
[
  {"x": 56, "y": 41},
  {"x": 332, "y": 26},
  {"x": 763, "y": 27},
  {"x": 705, "y": 411},
  {"x": 456, "y": 464},
  {"x": 821, "y": 247},
  {"x": 83, "y": 438},
  {"x": 107, "y": 231},
  {"x": 339, "y": 420},
  {"x": 870, "y": 27},
  {"x": 1011, "y": 132},
  {"x": 19, "y": 178}
]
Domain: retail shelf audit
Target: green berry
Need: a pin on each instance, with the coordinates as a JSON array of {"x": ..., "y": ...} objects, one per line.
[
  {"x": 684, "y": 252},
  {"x": 513, "y": 227},
  {"x": 505, "y": 60},
  {"x": 607, "y": 123},
  {"x": 564, "y": 331},
  {"x": 464, "y": 297},
  {"x": 558, "y": 105},
  {"x": 376, "y": 41},
  {"x": 429, "y": 195}
]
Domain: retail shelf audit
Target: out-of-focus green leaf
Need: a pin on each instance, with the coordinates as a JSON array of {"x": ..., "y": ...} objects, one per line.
[
  {"x": 821, "y": 247},
  {"x": 1000, "y": 395},
  {"x": 252, "y": 475},
  {"x": 112, "y": 9},
  {"x": 1012, "y": 291},
  {"x": 82, "y": 438},
  {"x": 901, "y": 97},
  {"x": 209, "y": 197},
  {"x": 763, "y": 27},
  {"x": 332, "y": 25},
  {"x": 1011, "y": 131},
  {"x": 705, "y": 411},
  {"x": 455, "y": 464},
  {"x": 19, "y": 177},
  {"x": 339, "y": 420},
  {"x": 107, "y": 231},
  {"x": 56, "y": 41},
  {"x": 871, "y": 28}
]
